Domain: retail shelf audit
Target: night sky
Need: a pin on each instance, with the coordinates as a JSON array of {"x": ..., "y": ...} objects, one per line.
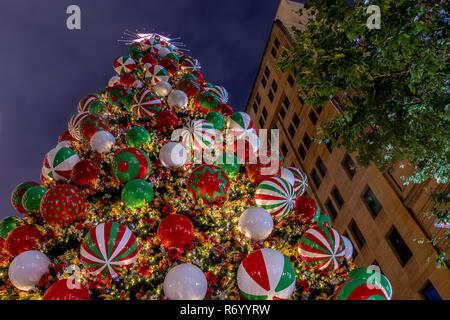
[{"x": 47, "y": 69}]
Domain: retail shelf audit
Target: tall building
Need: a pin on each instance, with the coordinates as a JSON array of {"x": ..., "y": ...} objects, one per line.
[{"x": 381, "y": 216}]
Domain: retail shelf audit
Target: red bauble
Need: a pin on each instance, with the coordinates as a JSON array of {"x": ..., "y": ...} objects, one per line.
[
  {"x": 306, "y": 208},
  {"x": 149, "y": 58},
  {"x": 63, "y": 204},
  {"x": 226, "y": 109},
  {"x": 65, "y": 136},
  {"x": 167, "y": 119},
  {"x": 67, "y": 289},
  {"x": 127, "y": 79},
  {"x": 170, "y": 65},
  {"x": 85, "y": 173},
  {"x": 175, "y": 230},
  {"x": 255, "y": 171},
  {"x": 22, "y": 239},
  {"x": 199, "y": 76}
]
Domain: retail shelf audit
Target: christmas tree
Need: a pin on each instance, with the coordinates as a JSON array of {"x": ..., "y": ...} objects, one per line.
[{"x": 143, "y": 198}]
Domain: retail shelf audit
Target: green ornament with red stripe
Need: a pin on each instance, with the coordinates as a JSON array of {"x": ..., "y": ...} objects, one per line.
[
  {"x": 209, "y": 183},
  {"x": 373, "y": 275},
  {"x": 18, "y": 193},
  {"x": 266, "y": 274},
  {"x": 173, "y": 56},
  {"x": 108, "y": 248},
  {"x": 208, "y": 102},
  {"x": 360, "y": 289},
  {"x": 129, "y": 164},
  {"x": 7, "y": 225}
]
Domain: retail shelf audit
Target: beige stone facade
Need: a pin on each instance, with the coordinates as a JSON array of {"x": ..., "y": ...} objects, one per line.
[{"x": 382, "y": 217}]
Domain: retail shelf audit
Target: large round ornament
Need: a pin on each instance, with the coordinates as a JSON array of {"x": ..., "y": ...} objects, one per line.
[
  {"x": 63, "y": 204},
  {"x": 92, "y": 124},
  {"x": 173, "y": 154},
  {"x": 150, "y": 58},
  {"x": 371, "y": 276},
  {"x": 156, "y": 73},
  {"x": 124, "y": 64},
  {"x": 166, "y": 119},
  {"x": 66, "y": 289},
  {"x": 18, "y": 193},
  {"x": 229, "y": 163},
  {"x": 136, "y": 193},
  {"x": 256, "y": 223},
  {"x": 322, "y": 247},
  {"x": 275, "y": 195},
  {"x": 185, "y": 282},
  {"x": 7, "y": 225},
  {"x": 75, "y": 125},
  {"x": 108, "y": 247},
  {"x": 267, "y": 165},
  {"x": 58, "y": 163},
  {"x": 162, "y": 88},
  {"x": 114, "y": 80},
  {"x": 27, "y": 269},
  {"x": 245, "y": 148},
  {"x": 239, "y": 124},
  {"x": 210, "y": 184},
  {"x": 177, "y": 99},
  {"x": 191, "y": 88},
  {"x": 220, "y": 92},
  {"x": 307, "y": 209},
  {"x": 23, "y": 238},
  {"x": 175, "y": 230},
  {"x": 83, "y": 105},
  {"x": 208, "y": 102},
  {"x": 85, "y": 173},
  {"x": 348, "y": 247},
  {"x": 32, "y": 199},
  {"x": 118, "y": 95},
  {"x": 287, "y": 175},
  {"x": 137, "y": 137},
  {"x": 129, "y": 164},
  {"x": 324, "y": 220},
  {"x": 146, "y": 104},
  {"x": 360, "y": 289},
  {"x": 300, "y": 181},
  {"x": 189, "y": 63},
  {"x": 266, "y": 274},
  {"x": 198, "y": 135},
  {"x": 102, "y": 141},
  {"x": 216, "y": 119}
]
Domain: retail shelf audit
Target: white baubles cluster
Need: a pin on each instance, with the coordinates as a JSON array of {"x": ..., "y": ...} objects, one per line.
[
  {"x": 287, "y": 175},
  {"x": 256, "y": 223},
  {"x": 178, "y": 99},
  {"x": 102, "y": 141},
  {"x": 173, "y": 154},
  {"x": 27, "y": 269},
  {"x": 185, "y": 282},
  {"x": 162, "y": 88},
  {"x": 348, "y": 253}
]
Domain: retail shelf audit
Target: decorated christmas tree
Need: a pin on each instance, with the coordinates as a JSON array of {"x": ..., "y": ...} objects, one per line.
[{"x": 144, "y": 198}]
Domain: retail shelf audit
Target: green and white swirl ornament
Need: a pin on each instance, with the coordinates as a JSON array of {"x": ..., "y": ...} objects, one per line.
[
  {"x": 58, "y": 163},
  {"x": 197, "y": 135},
  {"x": 275, "y": 195}
]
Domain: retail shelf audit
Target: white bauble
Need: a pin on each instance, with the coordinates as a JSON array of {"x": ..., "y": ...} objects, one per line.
[
  {"x": 348, "y": 247},
  {"x": 178, "y": 98},
  {"x": 287, "y": 175},
  {"x": 164, "y": 51},
  {"x": 185, "y": 282},
  {"x": 102, "y": 141},
  {"x": 27, "y": 268},
  {"x": 162, "y": 88},
  {"x": 256, "y": 223},
  {"x": 138, "y": 84},
  {"x": 173, "y": 154},
  {"x": 113, "y": 81}
]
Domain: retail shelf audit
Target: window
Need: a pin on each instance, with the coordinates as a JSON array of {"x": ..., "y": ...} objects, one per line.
[
  {"x": 261, "y": 122},
  {"x": 258, "y": 98},
  {"x": 267, "y": 72},
  {"x": 284, "y": 149},
  {"x": 302, "y": 152},
  {"x": 271, "y": 96},
  {"x": 331, "y": 209},
  {"x": 316, "y": 178},
  {"x": 355, "y": 252},
  {"x": 286, "y": 103},
  {"x": 274, "y": 86},
  {"x": 356, "y": 233},
  {"x": 283, "y": 113},
  {"x": 337, "y": 197},
  {"x": 307, "y": 141},
  {"x": 296, "y": 120},
  {"x": 399, "y": 246},
  {"x": 274, "y": 52},
  {"x": 430, "y": 292},
  {"x": 291, "y": 80},
  {"x": 264, "y": 112},
  {"x": 321, "y": 166},
  {"x": 349, "y": 166},
  {"x": 301, "y": 100},
  {"x": 313, "y": 117},
  {"x": 291, "y": 131},
  {"x": 277, "y": 43},
  {"x": 319, "y": 109},
  {"x": 372, "y": 202},
  {"x": 255, "y": 107},
  {"x": 264, "y": 81}
]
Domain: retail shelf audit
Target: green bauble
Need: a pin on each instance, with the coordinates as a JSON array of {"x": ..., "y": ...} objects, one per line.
[
  {"x": 173, "y": 56},
  {"x": 190, "y": 76},
  {"x": 324, "y": 219},
  {"x": 135, "y": 52},
  {"x": 7, "y": 225},
  {"x": 229, "y": 163},
  {"x": 32, "y": 199},
  {"x": 216, "y": 119},
  {"x": 137, "y": 192},
  {"x": 137, "y": 136},
  {"x": 97, "y": 107}
]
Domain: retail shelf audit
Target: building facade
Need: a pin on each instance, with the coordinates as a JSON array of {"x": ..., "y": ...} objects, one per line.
[{"x": 380, "y": 215}]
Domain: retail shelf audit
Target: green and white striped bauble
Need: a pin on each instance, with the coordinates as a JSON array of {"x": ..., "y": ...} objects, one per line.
[
  {"x": 275, "y": 195},
  {"x": 197, "y": 135},
  {"x": 239, "y": 124}
]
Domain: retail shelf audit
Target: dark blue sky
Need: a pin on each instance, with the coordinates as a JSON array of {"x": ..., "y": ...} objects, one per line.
[{"x": 47, "y": 68}]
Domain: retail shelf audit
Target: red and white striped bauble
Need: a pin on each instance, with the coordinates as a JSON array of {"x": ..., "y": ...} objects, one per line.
[
  {"x": 156, "y": 73},
  {"x": 75, "y": 125},
  {"x": 197, "y": 135},
  {"x": 124, "y": 64},
  {"x": 83, "y": 105},
  {"x": 275, "y": 195},
  {"x": 219, "y": 91},
  {"x": 300, "y": 181},
  {"x": 239, "y": 124},
  {"x": 146, "y": 104},
  {"x": 189, "y": 63}
]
